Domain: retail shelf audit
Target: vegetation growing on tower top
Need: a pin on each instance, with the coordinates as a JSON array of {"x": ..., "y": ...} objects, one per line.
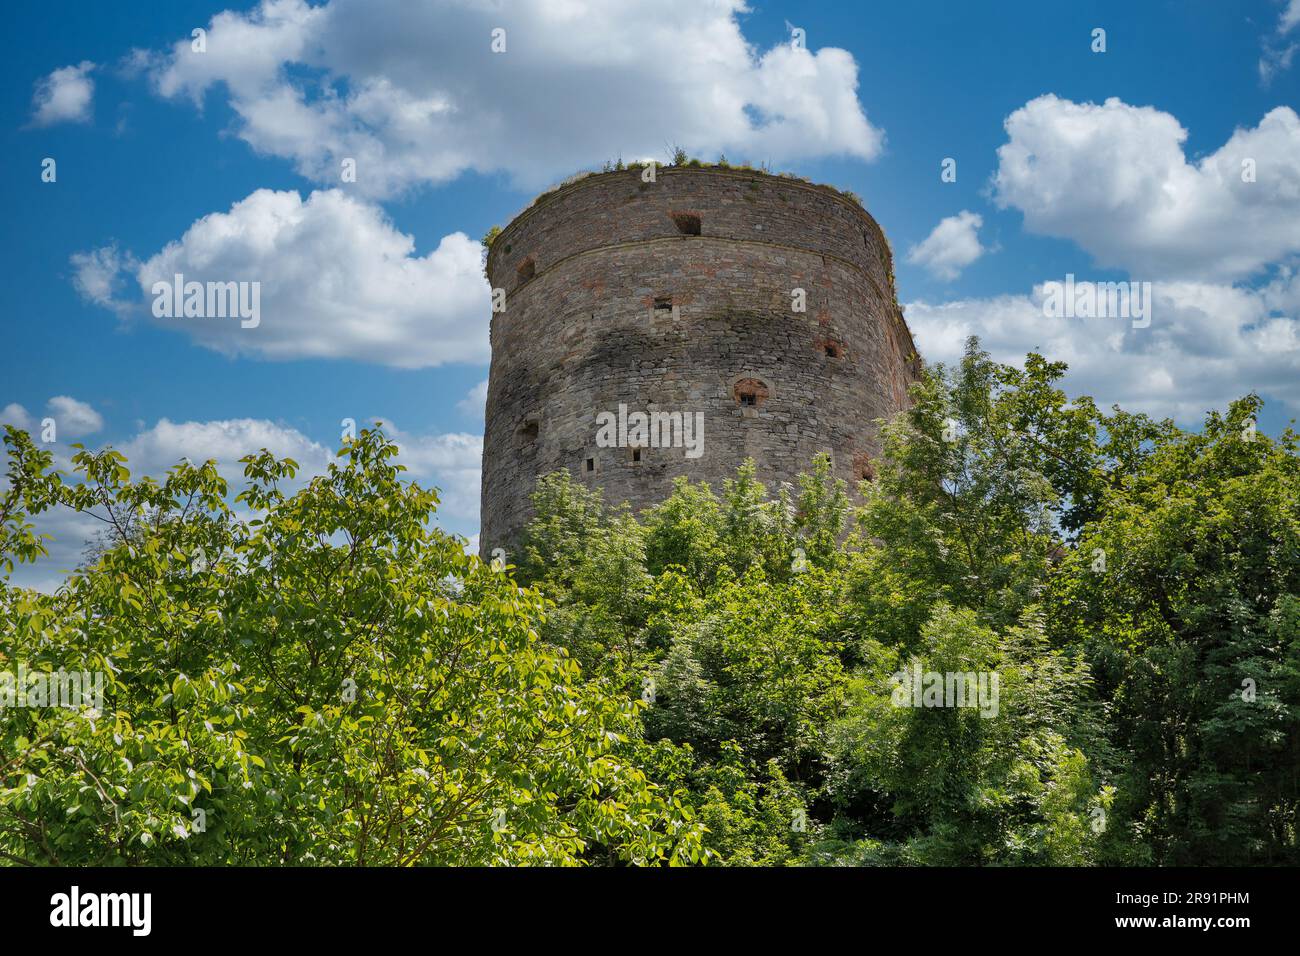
[{"x": 678, "y": 159}]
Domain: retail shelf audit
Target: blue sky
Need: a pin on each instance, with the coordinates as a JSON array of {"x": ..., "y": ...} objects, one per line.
[{"x": 1114, "y": 166}]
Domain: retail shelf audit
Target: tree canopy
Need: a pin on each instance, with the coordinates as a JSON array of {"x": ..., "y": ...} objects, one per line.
[{"x": 1108, "y": 605}]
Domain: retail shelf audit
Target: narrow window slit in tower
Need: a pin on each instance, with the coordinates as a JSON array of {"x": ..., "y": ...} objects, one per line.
[
  {"x": 664, "y": 303},
  {"x": 750, "y": 393},
  {"x": 590, "y": 464},
  {"x": 832, "y": 350},
  {"x": 527, "y": 269},
  {"x": 863, "y": 468},
  {"x": 636, "y": 455},
  {"x": 688, "y": 223}
]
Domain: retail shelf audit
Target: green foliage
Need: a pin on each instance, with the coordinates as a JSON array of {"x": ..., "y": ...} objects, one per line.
[
  {"x": 686, "y": 532},
  {"x": 1184, "y": 589},
  {"x": 726, "y": 677},
  {"x": 753, "y": 817},
  {"x": 592, "y": 563},
  {"x": 960, "y": 512},
  {"x": 989, "y": 784},
  {"x": 331, "y": 682},
  {"x": 772, "y": 629},
  {"x": 488, "y": 238}
]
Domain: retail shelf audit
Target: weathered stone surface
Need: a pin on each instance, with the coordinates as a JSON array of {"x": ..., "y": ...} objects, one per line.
[{"x": 608, "y": 301}]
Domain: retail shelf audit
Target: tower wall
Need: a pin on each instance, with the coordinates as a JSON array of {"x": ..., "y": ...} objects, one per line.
[{"x": 583, "y": 270}]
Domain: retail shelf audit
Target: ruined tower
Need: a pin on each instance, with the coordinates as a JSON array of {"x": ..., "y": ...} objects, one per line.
[{"x": 682, "y": 295}]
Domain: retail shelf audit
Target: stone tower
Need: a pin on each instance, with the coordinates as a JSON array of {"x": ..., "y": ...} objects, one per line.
[{"x": 681, "y": 296}]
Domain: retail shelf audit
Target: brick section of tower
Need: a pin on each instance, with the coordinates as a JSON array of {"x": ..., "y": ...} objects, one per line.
[{"x": 610, "y": 299}]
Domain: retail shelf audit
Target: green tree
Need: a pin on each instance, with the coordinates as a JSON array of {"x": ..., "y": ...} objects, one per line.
[
  {"x": 1183, "y": 590},
  {"x": 332, "y": 681},
  {"x": 959, "y": 513},
  {"x": 999, "y": 780}
]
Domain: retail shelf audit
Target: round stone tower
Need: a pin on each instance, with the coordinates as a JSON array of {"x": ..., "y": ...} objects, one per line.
[{"x": 645, "y": 330}]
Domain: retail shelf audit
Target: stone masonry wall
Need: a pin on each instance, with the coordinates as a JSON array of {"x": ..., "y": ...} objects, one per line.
[{"x": 584, "y": 269}]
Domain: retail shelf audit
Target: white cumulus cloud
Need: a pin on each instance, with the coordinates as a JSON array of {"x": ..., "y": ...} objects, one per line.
[
  {"x": 1217, "y": 247},
  {"x": 73, "y": 418},
  {"x": 474, "y": 403},
  {"x": 156, "y": 449},
  {"x": 1115, "y": 179},
  {"x": 1290, "y": 17},
  {"x": 335, "y": 279},
  {"x": 951, "y": 246},
  {"x": 415, "y": 94},
  {"x": 1207, "y": 344},
  {"x": 14, "y": 414},
  {"x": 64, "y": 96},
  {"x": 100, "y": 275}
]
